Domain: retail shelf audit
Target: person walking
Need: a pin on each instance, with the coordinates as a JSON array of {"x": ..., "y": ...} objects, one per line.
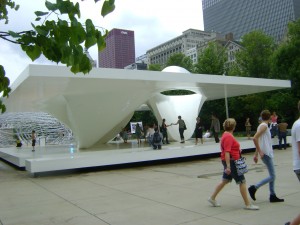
[
  {"x": 296, "y": 157},
  {"x": 230, "y": 151},
  {"x": 215, "y": 127},
  {"x": 182, "y": 127},
  {"x": 263, "y": 143},
  {"x": 198, "y": 131}
]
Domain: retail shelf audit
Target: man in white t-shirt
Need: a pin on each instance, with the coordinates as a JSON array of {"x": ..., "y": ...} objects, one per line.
[
  {"x": 296, "y": 156},
  {"x": 296, "y": 145}
]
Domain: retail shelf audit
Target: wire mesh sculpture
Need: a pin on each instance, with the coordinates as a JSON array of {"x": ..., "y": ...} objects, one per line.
[{"x": 18, "y": 126}]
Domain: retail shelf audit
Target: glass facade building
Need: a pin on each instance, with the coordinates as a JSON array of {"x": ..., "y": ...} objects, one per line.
[
  {"x": 243, "y": 16},
  {"x": 119, "y": 51}
]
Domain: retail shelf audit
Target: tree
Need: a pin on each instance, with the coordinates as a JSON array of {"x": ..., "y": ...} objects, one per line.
[
  {"x": 60, "y": 40},
  {"x": 286, "y": 59},
  {"x": 212, "y": 60},
  {"x": 179, "y": 59},
  {"x": 255, "y": 58}
]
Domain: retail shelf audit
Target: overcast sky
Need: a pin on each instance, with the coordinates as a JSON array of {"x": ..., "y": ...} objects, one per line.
[{"x": 153, "y": 22}]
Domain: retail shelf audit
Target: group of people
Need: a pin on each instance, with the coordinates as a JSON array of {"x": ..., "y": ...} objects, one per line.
[
  {"x": 198, "y": 131},
  {"x": 230, "y": 151},
  {"x": 277, "y": 126},
  {"x": 148, "y": 133}
]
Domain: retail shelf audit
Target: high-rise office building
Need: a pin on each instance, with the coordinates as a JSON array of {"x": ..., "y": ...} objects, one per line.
[
  {"x": 119, "y": 51},
  {"x": 243, "y": 16}
]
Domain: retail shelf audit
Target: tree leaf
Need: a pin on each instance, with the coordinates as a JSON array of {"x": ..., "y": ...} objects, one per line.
[
  {"x": 40, "y": 30},
  {"x": 108, "y": 7},
  {"x": 50, "y": 6},
  {"x": 14, "y": 34},
  {"x": 40, "y": 13},
  {"x": 33, "y": 52},
  {"x": 90, "y": 34}
]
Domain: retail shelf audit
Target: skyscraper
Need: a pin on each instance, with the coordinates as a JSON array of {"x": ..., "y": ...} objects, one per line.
[
  {"x": 243, "y": 16},
  {"x": 119, "y": 51}
]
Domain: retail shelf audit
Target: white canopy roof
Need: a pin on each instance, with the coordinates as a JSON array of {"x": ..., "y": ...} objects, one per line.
[{"x": 98, "y": 104}]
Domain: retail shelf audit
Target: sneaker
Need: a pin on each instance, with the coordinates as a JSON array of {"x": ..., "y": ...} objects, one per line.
[
  {"x": 213, "y": 202},
  {"x": 251, "y": 207},
  {"x": 273, "y": 198},
  {"x": 252, "y": 189}
]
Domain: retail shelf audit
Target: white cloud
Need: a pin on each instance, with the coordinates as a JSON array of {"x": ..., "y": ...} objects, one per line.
[{"x": 153, "y": 22}]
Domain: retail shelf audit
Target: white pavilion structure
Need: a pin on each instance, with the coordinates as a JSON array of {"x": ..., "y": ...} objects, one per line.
[{"x": 97, "y": 105}]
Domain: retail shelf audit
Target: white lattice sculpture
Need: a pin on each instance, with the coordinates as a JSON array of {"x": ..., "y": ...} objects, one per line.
[{"x": 20, "y": 125}]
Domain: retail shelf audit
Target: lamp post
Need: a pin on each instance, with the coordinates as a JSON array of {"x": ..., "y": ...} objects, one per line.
[{"x": 226, "y": 103}]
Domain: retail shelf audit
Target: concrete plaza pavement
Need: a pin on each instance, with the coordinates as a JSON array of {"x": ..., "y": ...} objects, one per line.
[{"x": 166, "y": 194}]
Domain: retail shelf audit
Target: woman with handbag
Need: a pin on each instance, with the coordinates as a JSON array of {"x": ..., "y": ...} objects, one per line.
[{"x": 230, "y": 151}]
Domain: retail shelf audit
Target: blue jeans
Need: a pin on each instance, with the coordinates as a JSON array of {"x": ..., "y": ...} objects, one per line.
[
  {"x": 268, "y": 161},
  {"x": 282, "y": 136}
]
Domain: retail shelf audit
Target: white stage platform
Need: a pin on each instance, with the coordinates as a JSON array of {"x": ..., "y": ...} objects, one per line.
[{"x": 57, "y": 158}]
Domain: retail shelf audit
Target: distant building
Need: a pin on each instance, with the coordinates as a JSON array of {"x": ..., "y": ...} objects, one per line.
[
  {"x": 119, "y": 51},
  {"x": 189, "y": 39},
  {"x": 137, "y": 66},
  {"x": 231, "y": 47},
  {"x": 141, "y": 63},
  {"x": 93, "y": 62},
  {"x": 142, "y": 59},
  {"x": 243, "y": 16}
]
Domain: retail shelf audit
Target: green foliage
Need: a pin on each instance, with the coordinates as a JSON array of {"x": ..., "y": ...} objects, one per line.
[
  {"x": 4, "y": 87},
  {"x": 254, "y": 60},
  {"x": 4, "y": 5},
  {"x": 108, "y": 7},
  {"x": 154, "y": 67},
  {"x": 147, "y": 117},
  {"x": 217, "y": 107},
  {"x": 179, "y": 59},
  {"x": 58, "y": 40},
  {"x": 212, "y": 60},
  {"x": 286, "y": 59}
]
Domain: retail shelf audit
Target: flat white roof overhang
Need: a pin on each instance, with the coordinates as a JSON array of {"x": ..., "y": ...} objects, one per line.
[{"x": 98, "y": 104}]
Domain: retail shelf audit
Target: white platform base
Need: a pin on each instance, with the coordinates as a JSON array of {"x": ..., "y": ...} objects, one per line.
[{"x": 55, "y": 158}]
